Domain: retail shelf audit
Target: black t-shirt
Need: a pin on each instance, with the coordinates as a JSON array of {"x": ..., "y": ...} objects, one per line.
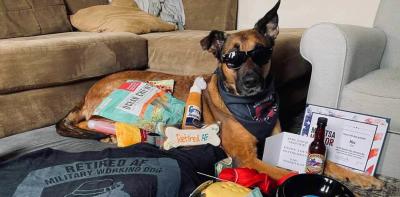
[{"x": 138, "y": 171}]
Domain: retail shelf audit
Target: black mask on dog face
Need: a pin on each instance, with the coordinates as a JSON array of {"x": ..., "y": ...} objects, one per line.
[{"x": 234, "y": 59}]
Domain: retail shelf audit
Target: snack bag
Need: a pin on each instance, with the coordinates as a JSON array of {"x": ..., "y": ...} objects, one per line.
[
  {"x": 141, "y": 104},
  {"x": 164, "y": 85}
]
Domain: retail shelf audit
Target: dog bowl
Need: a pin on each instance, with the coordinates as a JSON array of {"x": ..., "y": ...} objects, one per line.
[{"x": 312, "y": 185}]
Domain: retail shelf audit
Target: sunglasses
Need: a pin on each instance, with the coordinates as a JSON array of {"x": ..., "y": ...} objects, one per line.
[{"x": 234, "y": 59}]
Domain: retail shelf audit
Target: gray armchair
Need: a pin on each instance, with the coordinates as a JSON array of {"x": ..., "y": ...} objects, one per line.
[{"x": 358, "y": 69}]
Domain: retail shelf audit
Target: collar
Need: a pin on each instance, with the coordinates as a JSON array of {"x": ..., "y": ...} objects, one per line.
[{"x": 258, "y": 113}]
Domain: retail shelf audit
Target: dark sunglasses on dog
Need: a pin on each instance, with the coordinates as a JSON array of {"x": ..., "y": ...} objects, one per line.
[{"x": 234, "y": 59}]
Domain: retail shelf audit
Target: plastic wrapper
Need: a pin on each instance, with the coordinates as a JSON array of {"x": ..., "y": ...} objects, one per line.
[{"x": 141, "y": 104}]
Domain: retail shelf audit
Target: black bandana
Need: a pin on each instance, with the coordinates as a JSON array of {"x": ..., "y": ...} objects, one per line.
[{"x": 258, "y": 113}]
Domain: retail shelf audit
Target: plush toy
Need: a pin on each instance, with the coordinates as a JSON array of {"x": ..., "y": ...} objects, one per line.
[{"x": 230, "y": 189}]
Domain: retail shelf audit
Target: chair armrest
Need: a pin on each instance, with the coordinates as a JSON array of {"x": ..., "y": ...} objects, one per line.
[
  {"x": 211, "y": 14},
  {"x": 339, "y": 54}
]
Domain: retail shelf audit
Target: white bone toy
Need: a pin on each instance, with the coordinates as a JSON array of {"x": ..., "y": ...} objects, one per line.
[{"x": 191, "y": 137}]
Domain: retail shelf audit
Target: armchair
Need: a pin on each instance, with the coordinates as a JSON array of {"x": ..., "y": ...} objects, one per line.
[{"x": 358, "y": 69}]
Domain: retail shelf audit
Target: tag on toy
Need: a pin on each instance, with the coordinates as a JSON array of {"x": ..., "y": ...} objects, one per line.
[
  {"x": 191, "y": 137},
  {"x": 225, "y": 163}
]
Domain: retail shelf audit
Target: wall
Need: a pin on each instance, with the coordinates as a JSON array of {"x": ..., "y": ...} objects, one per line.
[{"x": 304, "y": 13}]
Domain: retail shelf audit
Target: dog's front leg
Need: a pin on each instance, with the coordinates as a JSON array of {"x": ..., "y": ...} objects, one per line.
[
  {"x": 277, "y": 128},
  {"x": 242, "y": 146},
  {"x": 340, "y": 173}
]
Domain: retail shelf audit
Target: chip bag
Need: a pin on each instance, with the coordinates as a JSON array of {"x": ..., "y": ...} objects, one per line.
[{"x": 141, "y": 104}]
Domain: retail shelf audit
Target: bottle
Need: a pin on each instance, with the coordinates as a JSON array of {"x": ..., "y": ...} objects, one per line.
[
  {"x": 102, "y": 126},
  {"x": 316, "y": 151},
  {"x": 127, "y": 134},
  {"x": 192, "y": 115}
]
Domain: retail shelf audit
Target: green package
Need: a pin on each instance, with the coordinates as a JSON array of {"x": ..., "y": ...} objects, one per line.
[{"x": 141, "y": 104}]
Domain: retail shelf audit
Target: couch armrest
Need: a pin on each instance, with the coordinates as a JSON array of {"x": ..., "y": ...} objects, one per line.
[
  {"x": 210, "y": 14},
  {"x": 339, "y": 54}
]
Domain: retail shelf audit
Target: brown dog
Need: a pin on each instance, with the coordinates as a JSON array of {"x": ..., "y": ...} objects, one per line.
[
  {"x": 243, "y": 72},
  {"x": 246, "y": 76}
]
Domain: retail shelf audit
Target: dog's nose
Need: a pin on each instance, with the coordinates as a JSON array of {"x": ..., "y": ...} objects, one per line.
[{"x": 250, "y": 81}]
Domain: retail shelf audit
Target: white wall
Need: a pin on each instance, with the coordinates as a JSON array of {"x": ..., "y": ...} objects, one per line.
[{"x": 304, "y": 13}]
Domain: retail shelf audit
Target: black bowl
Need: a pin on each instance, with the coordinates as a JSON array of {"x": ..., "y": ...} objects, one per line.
[{"x": 312, "y": 185}]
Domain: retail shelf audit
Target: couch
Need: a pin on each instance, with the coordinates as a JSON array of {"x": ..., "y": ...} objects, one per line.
[
  {"x": 358, "y": 69},
  {"x": 44, "y": 73}
]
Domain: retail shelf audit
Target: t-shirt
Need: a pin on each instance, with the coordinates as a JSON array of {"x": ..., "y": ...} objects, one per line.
[{"x": 138, "y": 171}]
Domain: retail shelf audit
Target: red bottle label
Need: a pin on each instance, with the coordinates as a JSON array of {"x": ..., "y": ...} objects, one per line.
[{"x": 315, "y": 164}]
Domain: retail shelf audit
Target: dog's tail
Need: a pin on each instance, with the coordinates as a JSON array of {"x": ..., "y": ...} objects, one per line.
[{"x": 68, "y": 126}]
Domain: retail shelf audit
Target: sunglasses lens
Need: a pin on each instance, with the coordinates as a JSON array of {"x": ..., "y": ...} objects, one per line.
[
  {"x": 234, "y": 59},
  {"x": 261, "y": 56}
]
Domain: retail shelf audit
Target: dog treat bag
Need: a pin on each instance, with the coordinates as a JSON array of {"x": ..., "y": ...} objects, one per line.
[{"x": 141, "y": 104}]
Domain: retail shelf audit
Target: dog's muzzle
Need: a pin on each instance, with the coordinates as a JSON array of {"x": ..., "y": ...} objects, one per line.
[{"x": 250, "y": 84}]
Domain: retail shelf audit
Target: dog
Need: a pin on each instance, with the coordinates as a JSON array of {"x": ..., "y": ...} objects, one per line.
[
  {"x": 244, "y": 59},
  {"x": 243, "y": 74}
]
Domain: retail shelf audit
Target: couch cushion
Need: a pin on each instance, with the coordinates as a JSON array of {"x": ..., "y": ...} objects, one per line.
[
  {"x": 17, "y": 145},
  {"x": 109, "y": 18},
  {"x": 377, "y": 93},
  {"x": 179, "y": 52},
  {"x": 73, "y": 6},
  {"x": 27, "y": 110},
  {"x": 210, "y": 14},
  {"x": 31, "y": 17},
  {"x": 46, "y": 60}
]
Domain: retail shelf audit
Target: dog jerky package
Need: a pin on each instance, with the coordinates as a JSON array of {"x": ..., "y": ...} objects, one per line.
[{"x": 141, "y": 104}]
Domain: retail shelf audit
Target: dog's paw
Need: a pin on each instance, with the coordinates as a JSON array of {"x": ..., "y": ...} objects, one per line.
[
  {"x": 109, "y": 139},
  {"x": 367, "y": 182}
]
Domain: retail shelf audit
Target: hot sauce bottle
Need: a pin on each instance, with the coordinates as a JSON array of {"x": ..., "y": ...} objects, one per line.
[{"x": 316, "y": 151}]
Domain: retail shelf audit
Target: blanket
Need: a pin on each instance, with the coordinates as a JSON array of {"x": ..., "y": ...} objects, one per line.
[
  {"x": 136, "y": 171},
  {"x": 168, "y": 10}
]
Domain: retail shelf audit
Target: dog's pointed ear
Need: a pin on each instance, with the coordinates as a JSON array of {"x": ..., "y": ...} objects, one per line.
[
  {"x": 214, "y": 43},
  {"x": 268, "y": 25}
]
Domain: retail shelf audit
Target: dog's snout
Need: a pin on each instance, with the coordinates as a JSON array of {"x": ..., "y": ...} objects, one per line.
[{"x": 250, "y": 81}]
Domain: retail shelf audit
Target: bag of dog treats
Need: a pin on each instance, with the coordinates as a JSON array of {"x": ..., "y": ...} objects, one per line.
[{"x": 141, "y": 104}]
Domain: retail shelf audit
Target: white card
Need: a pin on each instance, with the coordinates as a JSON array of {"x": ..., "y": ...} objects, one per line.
[{"x": 287, "y": 150}]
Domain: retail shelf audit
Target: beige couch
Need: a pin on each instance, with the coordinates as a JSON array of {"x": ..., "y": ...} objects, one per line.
[{"x": 44, "y": 74}]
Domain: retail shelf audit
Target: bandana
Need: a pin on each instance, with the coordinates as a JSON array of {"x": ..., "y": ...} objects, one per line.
[{"x": 258, "y": 113}]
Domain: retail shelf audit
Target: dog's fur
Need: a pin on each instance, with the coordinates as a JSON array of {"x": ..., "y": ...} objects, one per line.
[{"x": 236, "y": 140}]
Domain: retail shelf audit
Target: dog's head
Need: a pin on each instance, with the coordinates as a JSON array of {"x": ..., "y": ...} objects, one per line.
[{"x": 245, "y": 56}]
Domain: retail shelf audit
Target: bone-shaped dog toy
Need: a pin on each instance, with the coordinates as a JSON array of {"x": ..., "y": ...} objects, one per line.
[{"x": 191, "y": 137}]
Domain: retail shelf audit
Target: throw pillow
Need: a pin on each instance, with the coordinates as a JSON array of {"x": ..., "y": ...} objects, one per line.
[{"x": 108, "y": 18}]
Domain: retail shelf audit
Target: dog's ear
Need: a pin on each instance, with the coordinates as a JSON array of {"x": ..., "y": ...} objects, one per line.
[
  {"x": 268, "y": 25},
  {"x": 214, "y": 43}
]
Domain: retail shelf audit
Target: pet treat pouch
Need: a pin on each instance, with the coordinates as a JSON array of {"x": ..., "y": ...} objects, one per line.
[{"x": 139, "y": 103}]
